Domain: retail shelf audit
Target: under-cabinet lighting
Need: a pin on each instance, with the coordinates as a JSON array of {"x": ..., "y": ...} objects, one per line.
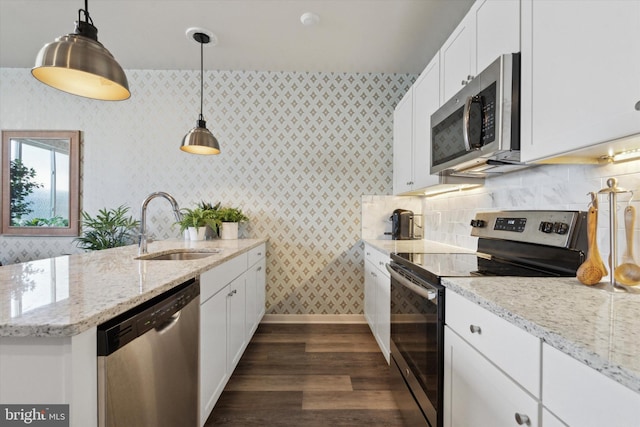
[{"x": 622, "y": 157}]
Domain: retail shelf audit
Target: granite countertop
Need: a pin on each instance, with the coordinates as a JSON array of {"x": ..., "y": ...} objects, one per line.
[
  {"x": 66, "y": 295},
  {"x": 594, "y": 326},
  {"x": 415, "y": 246}
]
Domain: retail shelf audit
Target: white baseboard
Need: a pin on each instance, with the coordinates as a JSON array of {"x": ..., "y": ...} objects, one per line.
[{"x": 313, "y": 318}]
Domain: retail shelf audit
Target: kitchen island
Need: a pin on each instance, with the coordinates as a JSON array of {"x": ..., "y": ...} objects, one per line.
[{"x": 49, "y": 311}]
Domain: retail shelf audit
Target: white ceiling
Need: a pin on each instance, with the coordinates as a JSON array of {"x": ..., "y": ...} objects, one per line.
[{"x": 396, "y": 36}]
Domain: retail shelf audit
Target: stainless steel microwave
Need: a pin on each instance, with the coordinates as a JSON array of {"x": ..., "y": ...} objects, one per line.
[{"x": 477, "y": 132}]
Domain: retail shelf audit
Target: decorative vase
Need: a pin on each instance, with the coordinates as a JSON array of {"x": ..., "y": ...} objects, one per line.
[
  {"x": 229, "y": 231},
  {"x": 196, "y": 233}
]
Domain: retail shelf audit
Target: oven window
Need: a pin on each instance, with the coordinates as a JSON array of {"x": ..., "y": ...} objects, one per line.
[{"x": 415, "y": 333}]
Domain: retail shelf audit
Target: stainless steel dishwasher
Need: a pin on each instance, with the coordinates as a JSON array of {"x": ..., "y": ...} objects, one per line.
[{"x": 148, "y": 362}]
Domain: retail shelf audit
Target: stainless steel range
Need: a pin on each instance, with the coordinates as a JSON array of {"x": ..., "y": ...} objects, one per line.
[{"x": 510, "y": 243}]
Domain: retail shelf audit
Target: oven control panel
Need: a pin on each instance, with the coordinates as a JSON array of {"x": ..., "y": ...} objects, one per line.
[{"x": 553, "y": 228}]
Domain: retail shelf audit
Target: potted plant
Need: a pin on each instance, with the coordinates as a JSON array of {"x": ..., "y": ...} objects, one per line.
[
  {"x": 229, "y": 218},
  {"x": 195, "y": 221},
  {"x": 109, "y": 229},
  {"x": 211, "y": 230}
]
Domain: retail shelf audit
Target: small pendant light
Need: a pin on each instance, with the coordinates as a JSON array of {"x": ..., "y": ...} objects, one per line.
[
  {"x": 200, "y": 140},
  {"x": 77, "y": 63}
]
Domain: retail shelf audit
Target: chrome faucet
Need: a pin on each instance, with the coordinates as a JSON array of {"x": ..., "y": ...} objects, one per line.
[{"x": 142, "y": 242}]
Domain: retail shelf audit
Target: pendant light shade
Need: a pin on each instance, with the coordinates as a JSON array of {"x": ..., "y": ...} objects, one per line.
[
  {"x": 200, "y": 140},
  {"x": 77, "y": 63}
]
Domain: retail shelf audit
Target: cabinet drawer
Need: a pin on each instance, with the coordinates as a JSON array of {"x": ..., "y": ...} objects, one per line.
[
  {"x": 377, "y": 258},
  {"x": 256, "y": 254},
  {"x": 211, "y": 281},
  {"x": 582, "y": 396},
  {"x": 512, "y": 349}
]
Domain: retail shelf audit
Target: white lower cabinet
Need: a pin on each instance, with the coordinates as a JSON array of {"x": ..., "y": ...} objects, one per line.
[
  {"x": 377, "y": 297},
  {"x": 583, "y": 397},
  {"x": 232, "y": 300},
  {"x": 256, "y": 292},
  {"x": 213, "y": 350},
  {"x": 477, "y": 393},
  {"x": 236, "y": 315}
]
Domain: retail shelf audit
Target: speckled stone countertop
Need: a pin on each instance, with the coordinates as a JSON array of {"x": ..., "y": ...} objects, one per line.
[
  {"x": 415, "y": 246},
  {"x": 67, "y": 295},
  {"x": 594, "y": 326}
]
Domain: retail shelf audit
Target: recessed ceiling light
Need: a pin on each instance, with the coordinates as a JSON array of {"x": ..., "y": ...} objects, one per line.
[
  {"x": 213, "y": 39},
  {"x": 308, "y": 19}
]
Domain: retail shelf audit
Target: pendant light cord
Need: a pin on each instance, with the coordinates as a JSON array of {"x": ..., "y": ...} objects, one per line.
[{"x": 201, "y": 78}]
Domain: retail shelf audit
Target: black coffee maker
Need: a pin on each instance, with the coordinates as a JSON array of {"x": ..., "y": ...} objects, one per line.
[{"x": 402, "y": 225}]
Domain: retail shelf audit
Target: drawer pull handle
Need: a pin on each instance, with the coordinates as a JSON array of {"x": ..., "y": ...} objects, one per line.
[
  {"x": 522, "y": 420},
  {"x": 232, "y": 293},
  {"x": 259, "y": 268},
  {"x": 475, "y": 329}
]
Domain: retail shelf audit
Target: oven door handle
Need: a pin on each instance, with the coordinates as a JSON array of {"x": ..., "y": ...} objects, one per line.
[{"x": 430, "y": 295}]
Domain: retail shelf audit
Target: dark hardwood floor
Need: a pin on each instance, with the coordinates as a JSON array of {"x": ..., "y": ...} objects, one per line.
[{"x": 309, "y": 375}]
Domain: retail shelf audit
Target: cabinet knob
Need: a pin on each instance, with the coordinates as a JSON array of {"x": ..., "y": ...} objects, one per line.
[
  {"x": 475, "y": 329},
  {"x": 522, "y": 420},
  {"x": 259, "y": 268},
  {"x": 638, "y": 106},
  {"x": 232, "y": 293},
  {"x": 464, "y": 82},
  {"x": 368, "y": 253},
  {"x": 469, "y": 78},
  {"x": 259, "y": 253}
]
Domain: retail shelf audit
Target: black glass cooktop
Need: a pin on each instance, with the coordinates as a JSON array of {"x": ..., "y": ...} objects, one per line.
[{"x": 432, "y": 266}]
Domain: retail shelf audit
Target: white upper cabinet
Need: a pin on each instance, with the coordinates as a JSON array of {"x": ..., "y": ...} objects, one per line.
[
  {"x": 412, "y": 132},
  {"x": 490, "y": 29},
  {"x": 426, "y": 100},
  {"x": 580, "y": 75},
  {"x": 403, "y": 144}
]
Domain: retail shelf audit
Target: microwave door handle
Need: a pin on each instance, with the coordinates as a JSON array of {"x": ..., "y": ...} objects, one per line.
[
  {"x": 424, "y": 293},
  {"x": 466, "y": 118}
]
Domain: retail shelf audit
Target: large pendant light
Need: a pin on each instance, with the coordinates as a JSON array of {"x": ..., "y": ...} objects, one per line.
[
  {"x": 200, "y": 140},
  {"x": 77, "y": 63}
]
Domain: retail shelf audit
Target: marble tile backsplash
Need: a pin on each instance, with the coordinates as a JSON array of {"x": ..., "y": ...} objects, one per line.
[{"x": 552, "y": 187}]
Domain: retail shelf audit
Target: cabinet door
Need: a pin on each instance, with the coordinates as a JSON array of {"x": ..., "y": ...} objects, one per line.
[
  {"x": 580, "y": 83},
  {"x": 213, "y": 351},
  {"x": 477, "y": 393},
  {"x": 426, "y": 100},
  {"x": 582, "y": 396},
  {"x": 370, "y": 294},
  {"x": 490, "y": 28},
  {"x": 403, "y": 144},
  {"x": 457, "y": 58},
  {"x": 497, "y": 30},
  {"x": 261, "y": 288},
  {"x": 383, "y": 313},
  {"x": 550, "y": 420},
  {"x": 255, "y": 285},
  {"x": 236, "y": 306}
]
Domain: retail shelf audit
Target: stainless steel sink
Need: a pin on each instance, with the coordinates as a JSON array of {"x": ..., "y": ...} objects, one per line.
[{"x": 179, "y": 255}]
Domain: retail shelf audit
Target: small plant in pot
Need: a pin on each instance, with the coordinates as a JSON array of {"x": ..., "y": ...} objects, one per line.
[
  {"x": 195, "y": 221},
  {"x": 229, "y": 218},
  {"x": 211, "y": 231},
  {"x": 109, "y": 229}
]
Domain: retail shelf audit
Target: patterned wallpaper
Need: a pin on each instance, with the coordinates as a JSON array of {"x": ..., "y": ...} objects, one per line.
[{"x": 298, "y": 151}]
